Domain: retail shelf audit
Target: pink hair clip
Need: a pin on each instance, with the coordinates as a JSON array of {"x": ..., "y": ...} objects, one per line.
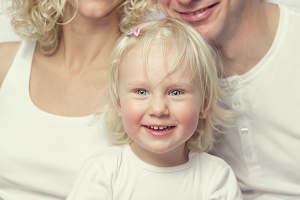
[{"x": 136, "y": 31}]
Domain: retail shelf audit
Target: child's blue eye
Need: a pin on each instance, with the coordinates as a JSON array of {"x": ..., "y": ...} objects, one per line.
[
  {"x": 175, "y": 93},
  {"x": 141, "y": 92}
]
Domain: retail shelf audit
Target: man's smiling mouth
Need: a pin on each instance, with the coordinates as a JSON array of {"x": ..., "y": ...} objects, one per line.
[{"x": 198, "y": 11}]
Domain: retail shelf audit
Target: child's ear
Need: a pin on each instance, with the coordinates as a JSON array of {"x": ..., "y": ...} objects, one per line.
[{"x": 205, "y": 109}]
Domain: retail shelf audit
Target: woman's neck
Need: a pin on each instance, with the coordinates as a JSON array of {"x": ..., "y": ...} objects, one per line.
[{"x": 88, "y": 42}]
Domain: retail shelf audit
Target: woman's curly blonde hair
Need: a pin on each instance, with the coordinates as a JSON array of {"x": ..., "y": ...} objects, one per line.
[{"x": 42, "y": 19}]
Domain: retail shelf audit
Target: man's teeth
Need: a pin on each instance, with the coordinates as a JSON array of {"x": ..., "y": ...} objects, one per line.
[{"x": 197, "y": 12}]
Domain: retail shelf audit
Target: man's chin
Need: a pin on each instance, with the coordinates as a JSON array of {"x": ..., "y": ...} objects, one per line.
[{"x": 205, "y": 32}]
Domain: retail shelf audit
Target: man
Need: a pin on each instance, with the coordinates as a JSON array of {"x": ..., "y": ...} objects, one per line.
[
  {"x": 7, "y": 34},
  {"x": 260, "y": 46}
]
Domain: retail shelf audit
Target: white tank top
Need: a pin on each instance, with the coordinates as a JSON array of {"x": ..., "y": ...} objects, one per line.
[{"x": 40, "y": 153}]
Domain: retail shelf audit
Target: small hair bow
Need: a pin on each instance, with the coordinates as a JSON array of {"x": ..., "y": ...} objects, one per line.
[{"x": 136, "y": 31}]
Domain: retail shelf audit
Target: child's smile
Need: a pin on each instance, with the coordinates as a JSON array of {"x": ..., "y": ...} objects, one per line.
[{"x": 159, "y": 131}]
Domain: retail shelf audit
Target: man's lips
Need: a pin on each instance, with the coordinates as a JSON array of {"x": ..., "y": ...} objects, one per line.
[{"x": 198, "y": 15}]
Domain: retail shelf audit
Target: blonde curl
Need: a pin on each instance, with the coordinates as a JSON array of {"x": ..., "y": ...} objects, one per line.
[{"x": 42, "y": 20}]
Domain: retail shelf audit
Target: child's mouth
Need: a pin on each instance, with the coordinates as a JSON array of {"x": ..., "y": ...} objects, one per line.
[{"x": 160, "y": 128}]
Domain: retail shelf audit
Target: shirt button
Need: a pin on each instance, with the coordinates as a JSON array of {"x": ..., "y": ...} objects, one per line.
[
  {"x": 237, "y": 105},
  {"x": 248, "y": 156},
  {"x": 244, "y": 130},
  {"x": 234, "y": 83}
]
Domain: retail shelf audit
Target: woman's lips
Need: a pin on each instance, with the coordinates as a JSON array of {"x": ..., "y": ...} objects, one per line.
[{"x": 199, "y": 15}]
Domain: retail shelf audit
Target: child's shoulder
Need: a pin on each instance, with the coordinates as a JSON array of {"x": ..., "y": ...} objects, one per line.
[
  {"x": 107, "y": 160},
  {"x": 216, "y": 176},
  {"x": 110, "y": 153},
  {"x": 208, "y": 166},
  {"x": 206, "y": 160}
]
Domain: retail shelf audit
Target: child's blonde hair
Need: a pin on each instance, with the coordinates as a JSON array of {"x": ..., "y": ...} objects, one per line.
[
  {"x": 42, "y": 20},
  {"x": 191, "y": 53}
]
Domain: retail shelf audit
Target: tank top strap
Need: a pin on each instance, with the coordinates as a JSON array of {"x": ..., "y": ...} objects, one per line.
[{"x": 19, "y": 73}]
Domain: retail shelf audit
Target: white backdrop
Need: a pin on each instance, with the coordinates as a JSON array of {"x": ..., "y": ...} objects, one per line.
[{"x": 6, "y": 33}]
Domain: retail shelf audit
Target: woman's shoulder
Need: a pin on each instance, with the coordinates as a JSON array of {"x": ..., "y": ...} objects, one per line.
[{"x": 8, "y": 52}]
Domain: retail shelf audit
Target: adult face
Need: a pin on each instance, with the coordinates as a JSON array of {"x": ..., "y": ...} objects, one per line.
[{"x": 214, "y": 19}]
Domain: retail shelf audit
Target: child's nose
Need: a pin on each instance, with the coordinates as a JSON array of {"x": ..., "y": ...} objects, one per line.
[{"x": 158, "y": 107}]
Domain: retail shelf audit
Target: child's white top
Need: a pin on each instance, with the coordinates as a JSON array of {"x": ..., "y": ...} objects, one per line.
[{"x": 117, "y": 173}]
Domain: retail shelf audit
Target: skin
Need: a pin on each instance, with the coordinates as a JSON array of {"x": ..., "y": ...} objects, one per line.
[
  {"x": 151, "y": 99},
  {"x": 77, "y": 71},
  {"x": 243, "y": 30}
]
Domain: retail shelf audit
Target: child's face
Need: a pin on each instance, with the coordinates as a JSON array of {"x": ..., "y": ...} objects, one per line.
[{"x": 160, "y": 113}]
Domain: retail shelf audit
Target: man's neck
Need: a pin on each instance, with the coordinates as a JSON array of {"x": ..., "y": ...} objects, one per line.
[{"x": 252, "y": 40}]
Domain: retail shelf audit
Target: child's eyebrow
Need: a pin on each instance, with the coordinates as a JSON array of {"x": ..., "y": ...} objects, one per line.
[
  {"x": 136, "y": 83},
  {"x": 142, "y": 83},
  {"x": 137, "y": 80},
  {"x": 183, "y": 85}
]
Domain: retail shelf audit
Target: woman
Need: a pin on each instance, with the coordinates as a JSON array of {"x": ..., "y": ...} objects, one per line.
[{"x": 51, "y": 89}]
